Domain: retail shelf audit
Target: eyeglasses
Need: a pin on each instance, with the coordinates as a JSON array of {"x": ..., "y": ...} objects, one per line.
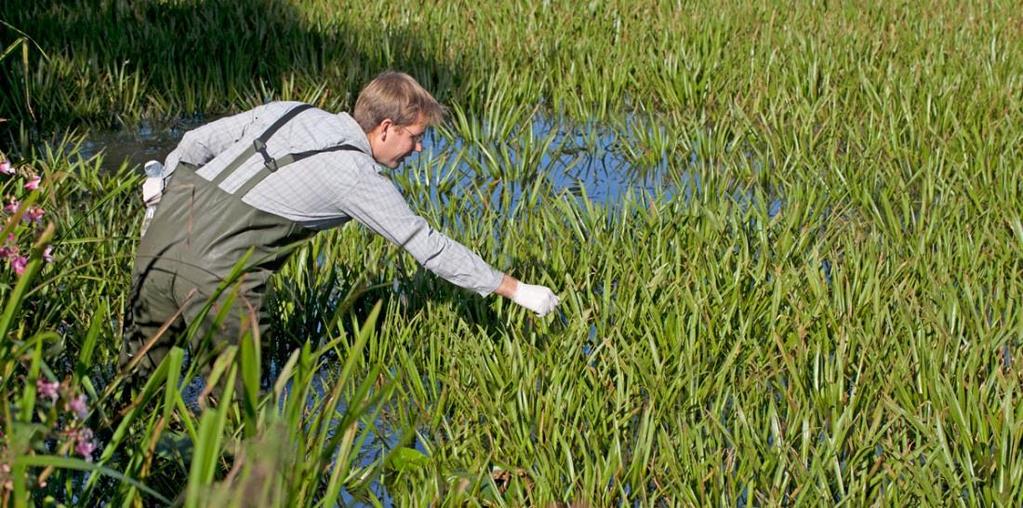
[{"x": 416, "y": 138}]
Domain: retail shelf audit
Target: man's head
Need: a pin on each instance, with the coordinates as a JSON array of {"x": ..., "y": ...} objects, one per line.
[{"x": 395, "y": 111}]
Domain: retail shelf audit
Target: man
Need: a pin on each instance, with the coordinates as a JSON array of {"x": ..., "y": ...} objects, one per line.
[{"x": 266, "y": 178}]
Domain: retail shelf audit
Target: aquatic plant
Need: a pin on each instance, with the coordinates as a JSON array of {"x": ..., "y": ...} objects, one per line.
[{"x": 816, "y": 305}]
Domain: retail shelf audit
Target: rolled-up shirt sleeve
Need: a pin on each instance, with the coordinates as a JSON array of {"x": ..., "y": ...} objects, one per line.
[{"x": 374, "y": 200}]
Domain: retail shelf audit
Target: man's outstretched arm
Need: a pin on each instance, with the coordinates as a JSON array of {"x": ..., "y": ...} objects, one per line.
[{"x": 374, "y": 201}]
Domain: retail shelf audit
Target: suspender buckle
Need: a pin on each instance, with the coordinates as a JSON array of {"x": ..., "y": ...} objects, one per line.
[{"x": 269, "y": 162}]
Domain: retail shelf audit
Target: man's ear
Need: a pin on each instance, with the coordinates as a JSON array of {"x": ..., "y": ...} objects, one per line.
[{"x": 383, "y": 126}]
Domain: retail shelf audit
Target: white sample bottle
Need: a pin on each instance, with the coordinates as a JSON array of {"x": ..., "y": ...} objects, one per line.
[{"x": 152, "y": 191}]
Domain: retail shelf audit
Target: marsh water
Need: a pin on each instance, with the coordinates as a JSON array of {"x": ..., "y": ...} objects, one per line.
[{"x": 586, "y": 158}]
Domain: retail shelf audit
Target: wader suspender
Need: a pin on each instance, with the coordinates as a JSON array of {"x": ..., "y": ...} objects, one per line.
[{"x": 270, "y": 164}]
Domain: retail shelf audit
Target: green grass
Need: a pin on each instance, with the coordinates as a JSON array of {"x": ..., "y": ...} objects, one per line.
[{"x": 860, "y": 346}]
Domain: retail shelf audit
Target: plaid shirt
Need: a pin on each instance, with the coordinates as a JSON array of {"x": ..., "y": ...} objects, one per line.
[{"x": 328, "y": 189}]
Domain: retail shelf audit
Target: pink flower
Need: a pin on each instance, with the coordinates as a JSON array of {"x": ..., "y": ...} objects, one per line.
[
  {"x": 18, "y": 264},
  {"x": 85, "y": 449},
  {"x": 10, "y": 248},
  {"x": 5, "y": 168},
  {"x": 33, "y": 183},
  {"x": 85, "y": 445},
  {"x": 48, "y": 254},
  {"x": 47, "y": 389},
  {"x": 34, "y": 214},
  {"x": 79, "y": 406},
  {"x": 12, "y": 206}
]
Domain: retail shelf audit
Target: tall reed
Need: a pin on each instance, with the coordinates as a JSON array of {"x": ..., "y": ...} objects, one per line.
[{"x": 817, "y": 306}]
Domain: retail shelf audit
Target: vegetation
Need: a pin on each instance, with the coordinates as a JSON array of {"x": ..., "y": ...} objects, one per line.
[{"x": 819, "y": 307}]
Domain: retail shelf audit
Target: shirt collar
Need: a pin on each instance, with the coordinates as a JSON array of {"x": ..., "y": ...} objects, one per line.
[{"x": 354, "y": 134}]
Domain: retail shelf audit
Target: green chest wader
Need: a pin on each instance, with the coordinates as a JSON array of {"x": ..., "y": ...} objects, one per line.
[{"x": 195, "y": 239}]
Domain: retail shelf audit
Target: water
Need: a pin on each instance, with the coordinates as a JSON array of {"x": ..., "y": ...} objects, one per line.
[
  {"x": 148, "y": 141},
  {"x": 579, "y": 158}
]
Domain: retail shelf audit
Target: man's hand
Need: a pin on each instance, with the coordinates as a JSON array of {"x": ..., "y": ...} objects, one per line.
[{"x": 538, "y": 299}]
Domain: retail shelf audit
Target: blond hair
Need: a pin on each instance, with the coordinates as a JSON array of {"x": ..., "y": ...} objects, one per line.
[{"x": 397, "y": 96}]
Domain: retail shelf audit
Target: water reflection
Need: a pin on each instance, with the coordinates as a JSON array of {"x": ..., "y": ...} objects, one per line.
[
  {"x": 588, "y": 158},
  {"x": 150, "y": 140}
]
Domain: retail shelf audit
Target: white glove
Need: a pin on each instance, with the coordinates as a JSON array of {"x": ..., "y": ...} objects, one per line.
[{"x": 538, "y": 299}]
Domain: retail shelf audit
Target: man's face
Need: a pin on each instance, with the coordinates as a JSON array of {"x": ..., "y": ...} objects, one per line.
[{"x": 391, "y": 142}]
